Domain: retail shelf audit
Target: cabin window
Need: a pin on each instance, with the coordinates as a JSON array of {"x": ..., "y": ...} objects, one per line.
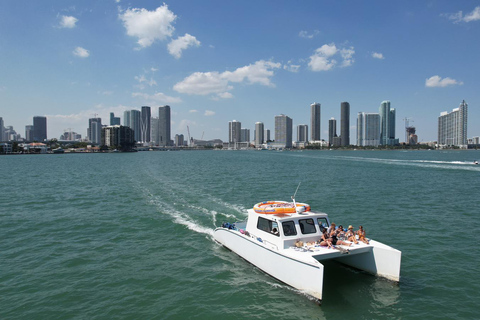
[
  {"x": 322, "y": 223},
  {"x": 289, "y": 228},
  {"x": 307, "y": 226},
  {"x": 268, "y": 226}
]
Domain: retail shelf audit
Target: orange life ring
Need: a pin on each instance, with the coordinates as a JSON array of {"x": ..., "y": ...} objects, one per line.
[{"x": 276, "y": 207}]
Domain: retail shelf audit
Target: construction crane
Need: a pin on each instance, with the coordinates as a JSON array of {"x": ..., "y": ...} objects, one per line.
[
  {"x": 202, "y": 135},
  {"x": 188, "y": 131}
]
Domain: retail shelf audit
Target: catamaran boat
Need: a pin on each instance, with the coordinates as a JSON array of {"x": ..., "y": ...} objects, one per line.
[{"x": 281, "y": 239}]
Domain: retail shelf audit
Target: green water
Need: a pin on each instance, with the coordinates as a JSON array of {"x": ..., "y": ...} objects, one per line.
[{"x": 129, "y": 236}]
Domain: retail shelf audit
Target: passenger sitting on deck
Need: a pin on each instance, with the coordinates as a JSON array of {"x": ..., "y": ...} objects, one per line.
[
  {"x": 335, "y": 240},
  {"x": 351, "y": 235},
  {"x": 361, "y": 235},
  {"x": 331, "y": 228},
  {"x": 325, "y": 240},
  {"x": 341, "y": 233}
]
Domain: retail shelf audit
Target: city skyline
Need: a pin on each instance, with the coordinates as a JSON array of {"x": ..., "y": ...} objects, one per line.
[{"x": 214, "y": 61}]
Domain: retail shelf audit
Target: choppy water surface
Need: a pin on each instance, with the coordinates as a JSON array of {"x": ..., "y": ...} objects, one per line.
[{"x": 130, "y": 235}]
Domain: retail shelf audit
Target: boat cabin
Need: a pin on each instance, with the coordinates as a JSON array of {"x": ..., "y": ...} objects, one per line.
[{"x": 282, "y": 230}]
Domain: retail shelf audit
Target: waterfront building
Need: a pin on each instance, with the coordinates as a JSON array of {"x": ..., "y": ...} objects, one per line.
[
  {"x": 332, "y": 130},
  {"x": 259, "y": 134},
  {"x": 345, "y": 124},
  {"x": 39, "y": 128},
  {"x": 368, "y": 129},
  {"x": 283, "y": 131},
  {"x": 114, "y": 120},
  {"x": 452, "y": 127},
  {"x": 117, "y": 136},
  {"x": 154, "y": 136},
  {"x": 145, "y": 123},
  {"x": 387, "y": 124},
  {"x": 411, "y": 136},
  {"x": 29, "y": 133},
  {"x": 245, "y": 135},
  {"x": 11, "y": 135},
  {"x": 2, "y": 130},
  {"x": 266, "y": 136},
  {"x": 164, "y": 126},
  {"x": 302, "y": 133},
  {"x": 132, "y": 119},
  {"x": 179, "y": 140},
  {"x": 95, "y": 130},
  {"x": 315, "y": 109},
  {"x": 234, "y": 131}
]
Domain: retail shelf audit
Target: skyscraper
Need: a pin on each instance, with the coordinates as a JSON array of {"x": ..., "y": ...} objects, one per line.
[
  {"x": 95, "y": 130},
  {"x": 332, "y": 130},
  {"x": 283, "y": 131},
  {"x": 302, "y": 133},
  {"x": 452, "y": 127},
  {"x": 315, "y": 121},
  {"x": 387, "y": 124},
  {"x": 345, "y": 124},
  {"x": 114, "y": 120},
  {"x": 234, "y": 131},
  {"x": 244, "y": 135},
  {"x": 2, "y": 130},
  {"x": 29, "y": 132},
  {"x": 39, "y": 128},
  {"x": 368, "y": 129},
  {"x": 132, "y": 119},
  {"x": 179, "y": 140},
  {"x": 154, "y": 136},
  {"x": 145, "y": 124},
  {"x": 266, "y": 135},
  {"x": 259, "y": 136},
  {"x": 164, "y": 124}
]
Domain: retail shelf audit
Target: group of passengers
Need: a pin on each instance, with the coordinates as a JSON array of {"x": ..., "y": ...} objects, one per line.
[{"x": 333, "y": 236}]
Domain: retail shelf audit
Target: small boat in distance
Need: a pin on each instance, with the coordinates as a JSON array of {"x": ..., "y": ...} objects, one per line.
[
  {"x": 280, "y": 238},
  {"x": 475, "y": 162}
]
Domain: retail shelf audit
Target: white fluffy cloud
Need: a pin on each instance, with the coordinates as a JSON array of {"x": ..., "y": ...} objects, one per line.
[
  {"x": 205, "y": 83},
  {"x": 324, "y": 57},
  {"x": 81, "y": 52},
  {"x": 378, "y": 55},
  {"x": 175, "y": 47},
  {"x": 209, "y": 113},
  {"x": 149, "y": 26},
  {"x": 68, "y": 22},
  {"x": 459, "y": 17},
  {"x": 157, "y": 97},
  {"x": 437, "y": 81}
]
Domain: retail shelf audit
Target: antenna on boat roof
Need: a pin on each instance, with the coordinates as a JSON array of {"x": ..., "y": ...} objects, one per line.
[{"x": 293, "y": 197}]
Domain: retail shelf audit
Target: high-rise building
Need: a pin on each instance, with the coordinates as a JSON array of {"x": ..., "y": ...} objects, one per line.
[
  {"x": 95, "y": 130},
  {"x": 2, "y": 130},
  {"x": 266, "y": 135},
  {"x": 164, "y": 126},
  {"x": 452, "y": 127},
  {"x": 145, "y": 124},
  {"x": 259, "y": 136},
  {"x": 29, "y": 132},
  {"x": 283, "y": 131},
  {"x": 315, "y": 121},
  {"x": 118, "y": 136},
  {"x": 132, "y": 119},
  {"x": 114, "y": 121},
  {"x": 245, "y": 135},
  {"x": 387, "y": 124},
  {"x": 332, "y": 130},
  {"x": 302, "y": 133},
  {"x": 345, "y": 124},
  {"x": 39, "y": 128},
  {"x": 179, "y": 140},
  {"x": 412, "y": 138},
  {"x": 368, "y": 129},
  {"x": 234, "y": 131}
]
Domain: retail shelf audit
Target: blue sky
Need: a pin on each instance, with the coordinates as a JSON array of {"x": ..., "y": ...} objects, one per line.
[{"x": 217, "y": 61}]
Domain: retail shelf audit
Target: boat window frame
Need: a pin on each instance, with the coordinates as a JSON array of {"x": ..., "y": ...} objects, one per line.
[
  {"x": 302, "y": 227},
  {"x": 270, "y": 225},
  {"x": 324, "y": 225},
  {"x": 292, "y": 228}
]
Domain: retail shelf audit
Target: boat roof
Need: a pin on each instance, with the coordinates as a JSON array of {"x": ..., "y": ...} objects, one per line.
[{"x": 288, "y": 216}]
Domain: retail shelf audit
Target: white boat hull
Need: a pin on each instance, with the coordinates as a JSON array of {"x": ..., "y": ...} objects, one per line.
[{"x": 302, "y": 272}]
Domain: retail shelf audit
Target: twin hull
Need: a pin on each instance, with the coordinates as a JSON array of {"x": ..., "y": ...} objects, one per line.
[{"x": 304, "y": 274}]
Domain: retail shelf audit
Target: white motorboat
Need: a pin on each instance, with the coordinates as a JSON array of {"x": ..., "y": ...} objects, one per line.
[{"x": 281, "y": 238}]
